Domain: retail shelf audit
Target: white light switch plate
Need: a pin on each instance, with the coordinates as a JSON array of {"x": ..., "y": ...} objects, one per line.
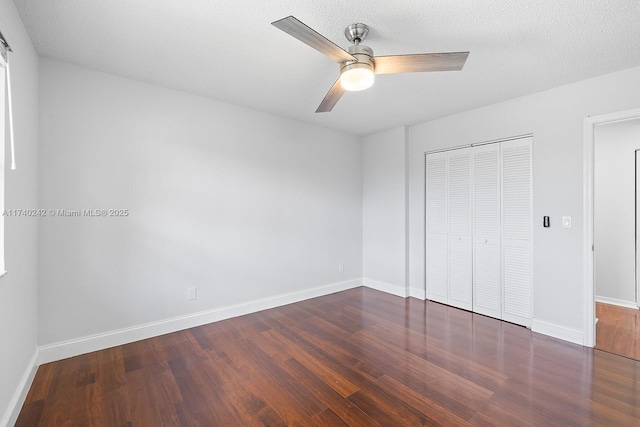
[{"x": 566, "y": 222}]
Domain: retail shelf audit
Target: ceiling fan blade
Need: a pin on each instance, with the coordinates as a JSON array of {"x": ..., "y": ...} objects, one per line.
[
  {"x": 331, "y": 98},
  {"x": 307, "y": 35},
  {"x": 448, "y": 61}
]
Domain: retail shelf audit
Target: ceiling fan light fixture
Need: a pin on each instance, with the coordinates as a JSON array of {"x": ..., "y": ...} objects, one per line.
[
  {"x": 358, "y": 65},
  {"x": 357, "y": 76}
]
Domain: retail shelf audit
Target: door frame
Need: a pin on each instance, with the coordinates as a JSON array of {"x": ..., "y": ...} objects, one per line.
[
  {"x": 637, "y": 254},
  {"x": 590, "y": 123}
]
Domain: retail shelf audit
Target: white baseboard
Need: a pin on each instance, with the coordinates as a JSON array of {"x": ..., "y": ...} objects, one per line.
[
  {"x": 64, "y": 349},
  {"x": 75, "y": 347},
  {"x": 561, "y": 332},
  {"x": 15, "y": 404},
  {"x": 418, "y": 293},
  {"x": 619, "y": 302},
  {"x": 400, "y": 291}
]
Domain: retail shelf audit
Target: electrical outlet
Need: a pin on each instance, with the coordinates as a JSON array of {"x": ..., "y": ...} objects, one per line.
[
  {"x": 192, "y": 294},
  {"x": 340, "y": 268}
]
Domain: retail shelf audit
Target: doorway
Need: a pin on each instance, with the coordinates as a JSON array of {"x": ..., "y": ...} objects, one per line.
[{"x": 614, "y": 141}]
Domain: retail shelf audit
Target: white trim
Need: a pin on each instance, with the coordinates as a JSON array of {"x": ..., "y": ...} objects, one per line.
[
  {"x": 75, "y": 347},
  {"x": 10, "y": 103},
  {"x": 618, "y": 302},
  {"x": 418, "y": 293},
  {"x": 400, "y": 291},
  {"x": 2, "y": 273},
  {"x": 556, "y": 331},
  {"x": 478, "y": 144},
  {"x": 20, "y": 394},
  {"x": 587, "y": 212},
  {"x": 407, "y": 210}
]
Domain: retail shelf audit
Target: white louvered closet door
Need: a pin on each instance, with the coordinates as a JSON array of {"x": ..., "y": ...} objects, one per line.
[
  {"x": 487, "y": 276},
  {"x": 436, "y": 227},
  {"x": 517, "y": 247},
  {"x": 460, "y": 235}
]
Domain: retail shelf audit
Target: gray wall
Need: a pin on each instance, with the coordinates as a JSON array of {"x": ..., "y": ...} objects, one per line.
[
  {"x": 384, "y": 211},
  {"x": 240, "y": 204},
  {"x": 18, "y": 288},
  {"x": 556, "y": 119}
]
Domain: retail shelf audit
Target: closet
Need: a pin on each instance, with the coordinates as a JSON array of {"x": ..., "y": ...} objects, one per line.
[{"x": 479, "y": 229}]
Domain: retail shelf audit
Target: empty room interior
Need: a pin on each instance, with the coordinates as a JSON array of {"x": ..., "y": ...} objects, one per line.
[{"x": 330, "y": 213}]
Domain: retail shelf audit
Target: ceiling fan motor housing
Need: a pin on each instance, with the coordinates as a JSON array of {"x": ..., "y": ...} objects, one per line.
[{"x": 364, "y": 56}]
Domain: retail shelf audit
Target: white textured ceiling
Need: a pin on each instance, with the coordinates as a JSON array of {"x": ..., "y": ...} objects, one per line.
[{"x": 227, "y": 50}]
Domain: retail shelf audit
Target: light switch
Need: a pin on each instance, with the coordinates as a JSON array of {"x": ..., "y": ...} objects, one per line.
[{"x": 566, "y": 222}]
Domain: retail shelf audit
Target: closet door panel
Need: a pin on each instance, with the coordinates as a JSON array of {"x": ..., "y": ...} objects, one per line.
[
  {"x": 487, "y": 271},
  {"x": 487, "y": 290},
  {"x": 517, "y": 283},
  {"x": 517, "y": 245},
  {"x": 437, "y": 273},
  {"x": 460, "y": 226},
  {"x": 436, "y": 226},
  {"x": 461, "y": 273}
]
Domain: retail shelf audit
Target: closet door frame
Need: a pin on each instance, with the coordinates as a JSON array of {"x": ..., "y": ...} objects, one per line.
[{"x": 496, "y": 312}]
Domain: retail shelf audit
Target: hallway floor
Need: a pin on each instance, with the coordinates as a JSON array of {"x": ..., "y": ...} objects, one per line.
[{"x": 618, "y": 330}]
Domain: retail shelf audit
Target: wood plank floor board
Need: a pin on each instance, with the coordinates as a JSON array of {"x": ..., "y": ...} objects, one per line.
[
  {"x": 494, "y": 414},
  {"x": 335, "y": 341},
  {"x": 40, "y": 390},
  {"x": 390, "y": 336},
  {"x": 388, "y": 412},
  {"x": 619, "y": 406},
  {"x": 200, "y": 389},
  {"x": 354, "y": 358},
  {"x": 343, "y": 346},
  {"x": 458, "y": 395},
  {"x": 327, "y": 372},
  {"x": 436, "y": 412},
  {"x": 406, "y": 363},
  {"x": 376, "y": 399},
  {"x": 62, "y": 394},
  {"x": 329, "y": 418},
  {"x": 249, "y": 366},
  {"x": 31, "y": 413},
  {"x": 294, "y": 391},
  {"x": 349, "y": 413},
  {"x": 275, "y": 351},
  {"x": 238, "y": 385},
  {"x": 319, "y": 356},
  {"x": 547, "y": 407},
  {"x": 618, "y": 330}
]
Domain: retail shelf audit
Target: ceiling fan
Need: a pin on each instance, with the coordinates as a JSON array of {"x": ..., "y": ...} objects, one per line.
[{"x": 357, "y": 63}]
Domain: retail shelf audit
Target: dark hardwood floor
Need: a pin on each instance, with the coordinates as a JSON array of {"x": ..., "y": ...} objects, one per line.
[
  {"x": 359, "y": 358},
  {"x": 618, "y": 330}
]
